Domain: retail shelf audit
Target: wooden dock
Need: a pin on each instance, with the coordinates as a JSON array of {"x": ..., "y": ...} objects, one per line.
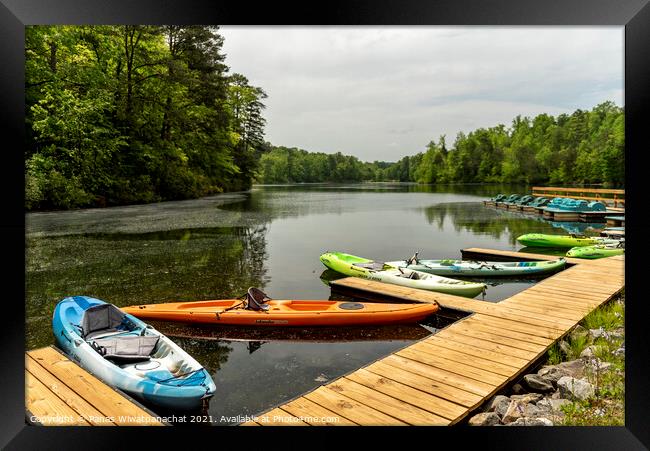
[
  {"x": 443, "y": 378},
  {"x": 58, "y": 392}
]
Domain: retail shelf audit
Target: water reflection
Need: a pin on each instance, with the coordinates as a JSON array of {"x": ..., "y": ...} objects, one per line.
[
  {"x": 126, "y": 269},
  {"x": 498, "y": 223}
]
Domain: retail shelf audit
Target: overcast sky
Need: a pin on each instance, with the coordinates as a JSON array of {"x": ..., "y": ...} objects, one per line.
[{"x": 381, "y": 93}]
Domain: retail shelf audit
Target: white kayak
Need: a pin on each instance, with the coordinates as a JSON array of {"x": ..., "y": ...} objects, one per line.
[{"x": 472, "y": 268}]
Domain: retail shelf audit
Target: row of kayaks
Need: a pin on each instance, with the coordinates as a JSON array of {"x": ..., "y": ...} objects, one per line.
[
  {"x": 128, "y": 354},
  {"x": 430, "y": 274},
  {"x": 556, "y": 204},
  {"x": 590, "y": 247}
]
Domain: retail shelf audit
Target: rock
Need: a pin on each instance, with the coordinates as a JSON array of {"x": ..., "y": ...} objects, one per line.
[
  {"x": 531, "y": 422},
  {"x": 599, "y": 365},
  {"x": 528, "y": 397},
  {"x": 573, "y": 388},
  {"x": 552, "y": 405},
  {"x": 484, "y": 419},
  {"x": 588, "y": 352},
  {"x": 516, "y": 409},
  {"x": 544, "y": 404},
  {"x": 575, "y": 368},
  {"x": 552, "y": 373},
  {"x": 556, "y": 404},
  {"x": 532, "y": 411},
  {"x": 499, "y": 404},
  {"x": 537, "y": 383},
  {"x": 596, "y": 333},
  {"x": 517, "y": 389},
  {"x": 565, "y": 347}
]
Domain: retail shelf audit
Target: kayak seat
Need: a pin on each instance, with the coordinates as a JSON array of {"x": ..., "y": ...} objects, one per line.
[
  {"x": 104, "y": 319},
  {"x": 414, "y": 276},
  {"x": 257, "y": 299},
  {"x": 128, "y": 348}
]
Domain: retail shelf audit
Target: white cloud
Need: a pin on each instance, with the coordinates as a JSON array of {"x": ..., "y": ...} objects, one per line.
[{"x": 384, "y": 92}]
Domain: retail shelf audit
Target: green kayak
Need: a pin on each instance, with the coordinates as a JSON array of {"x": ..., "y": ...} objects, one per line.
[
  {"x": 351, "y": 265},
  {"x": 598, "y": 251},
  {"x": 543, "y": 240}
]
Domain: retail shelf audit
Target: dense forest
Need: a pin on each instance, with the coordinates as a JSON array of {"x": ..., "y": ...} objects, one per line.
[
  {"x": 133, "y": 114},
  {"x": 580, "y": 148}
]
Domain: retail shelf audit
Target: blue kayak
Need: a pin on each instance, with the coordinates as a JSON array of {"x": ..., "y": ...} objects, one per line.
[{"x": 130, "y": 355}]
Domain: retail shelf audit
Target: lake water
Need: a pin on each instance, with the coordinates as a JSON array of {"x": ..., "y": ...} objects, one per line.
[{"x": 270, "y": 238}]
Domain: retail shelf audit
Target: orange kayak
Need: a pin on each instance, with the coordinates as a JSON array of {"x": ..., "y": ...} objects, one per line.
[{"x": 284, "y": 313}]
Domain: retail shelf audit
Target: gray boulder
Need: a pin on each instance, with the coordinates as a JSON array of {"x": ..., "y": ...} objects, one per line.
[
  {"x": 528, "y": 397},
  {"x": 553, "y": 373},
  {"x": 531, "y": 422},
  {"x": 516, "y": 409},
  {"x": 537, "y": 383},
  {"x": 552, "y": 405},
  {"x": 599, "y": 365},
  {"x": 517, "y": 389},
  {"x": 588, "y": 352},
  {"x": 575, "y": 368},
  {"x": 596, "y": 333},
  {"x": 499, "y": 404},
  {"x": 484, "y": 419},
  {"x": 573, "y": 388}
]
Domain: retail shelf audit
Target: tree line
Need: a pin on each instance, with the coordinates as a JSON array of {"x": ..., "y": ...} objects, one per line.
[
  {"x": 584, "y": 147},
  {"x": 132, "y": 114}
]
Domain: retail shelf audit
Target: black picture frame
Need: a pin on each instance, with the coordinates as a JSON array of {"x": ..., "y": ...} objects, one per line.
[{"x": 634, "y": 15}]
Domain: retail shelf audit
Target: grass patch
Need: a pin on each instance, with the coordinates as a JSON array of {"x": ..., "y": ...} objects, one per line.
[
  {"x": 607, "y": 407},
  {"x": 609, "y": 317}
]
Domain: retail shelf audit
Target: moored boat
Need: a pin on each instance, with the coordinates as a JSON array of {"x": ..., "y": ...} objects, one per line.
[
  {"x": 471, "y": 268},
  {"x": 351, "y": 265},
  {"x": 130, "y": 355},
  {"x": 257, "y": 309},
  {"x": 598, "y": 251},
  {"x": 544, "y": 240}
]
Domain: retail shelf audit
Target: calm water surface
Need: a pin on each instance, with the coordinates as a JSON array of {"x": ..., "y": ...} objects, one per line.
[{"x": 270, "y": 238}]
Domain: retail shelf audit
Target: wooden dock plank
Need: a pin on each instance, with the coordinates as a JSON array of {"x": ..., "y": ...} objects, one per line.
[
  {"x": 397, "y": 408},
  {"x": 549, "y": 305},
  {"x": 350, "y": 408},
  {"x": 477, "y": 334},
  {"x": 547, "y": 310},
  {"x": 442, "y": 375},
  {"x": 47, "y": 408},
  {"x": 521, "y": 338},
  {"x": 82, "y": 407},
  {"x": 456, "y": 352},
  {"x": 508, "y": 353},
  {"x": 315, "y": 414},
  {"x": 423, "y": 400},
  {"x": 453, "y": 395},
  {"x": 105, "y": 399},
  {"x": 463, "y": 368},
  {"x": 509, "y": 324}
]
